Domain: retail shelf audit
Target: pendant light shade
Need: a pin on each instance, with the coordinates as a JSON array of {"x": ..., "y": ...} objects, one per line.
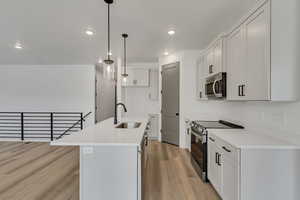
[
  {"x": 108, "y": 61},
  {"x": 125, "y": 36}
]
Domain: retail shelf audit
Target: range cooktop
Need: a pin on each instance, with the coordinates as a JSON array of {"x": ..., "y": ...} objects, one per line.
[{"x": 216, "y": 125}]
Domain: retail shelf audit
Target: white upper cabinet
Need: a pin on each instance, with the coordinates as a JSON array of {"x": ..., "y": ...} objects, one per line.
[
  {"x": 248, "y": 58},
  {"x": 154, "y": 80},
  {"x": 235, "y": 69},
  {"x": 200, "y": 78},
  {"x": 214, "y": 57},
  {"x": 136, "y": 78},
  {"x": 257, "y": 55},
  {"x": 261, "y": 67},
  {"x": 218, "y": 56}
]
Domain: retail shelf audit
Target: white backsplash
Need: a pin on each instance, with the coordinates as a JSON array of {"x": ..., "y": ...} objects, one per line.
[{"x": 277, "y": 119}]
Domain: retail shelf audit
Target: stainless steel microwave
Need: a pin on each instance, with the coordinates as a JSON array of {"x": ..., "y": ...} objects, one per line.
[{"x": 215, "y": 86}]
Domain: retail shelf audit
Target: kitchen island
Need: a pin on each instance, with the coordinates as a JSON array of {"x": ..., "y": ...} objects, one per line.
[{"x": 112, "y": 159}]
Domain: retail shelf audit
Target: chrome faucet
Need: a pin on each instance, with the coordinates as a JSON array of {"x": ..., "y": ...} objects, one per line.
[{"x": 116, "y": 108}]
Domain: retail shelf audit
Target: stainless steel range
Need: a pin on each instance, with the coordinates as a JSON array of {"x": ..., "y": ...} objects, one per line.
[{"x": 199, "y": 132}]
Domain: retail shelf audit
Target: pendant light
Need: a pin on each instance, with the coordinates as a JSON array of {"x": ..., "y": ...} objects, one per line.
[
  {"x": 125, "y": 36},
  {"x": 108, "y": 61}
]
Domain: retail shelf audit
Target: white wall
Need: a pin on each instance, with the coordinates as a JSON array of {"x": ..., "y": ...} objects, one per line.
[
  {"x": 137, "y": 99},
  {"x": 48, "y": 88}
]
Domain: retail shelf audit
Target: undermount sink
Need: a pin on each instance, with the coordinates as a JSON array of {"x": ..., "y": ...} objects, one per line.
[{"x": 129, "y": 125}]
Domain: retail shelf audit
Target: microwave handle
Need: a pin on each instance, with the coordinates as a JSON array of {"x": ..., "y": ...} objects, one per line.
[{"x": 214, "y": 86}]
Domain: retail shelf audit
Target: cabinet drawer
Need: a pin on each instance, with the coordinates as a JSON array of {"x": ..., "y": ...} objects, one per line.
[{"x": 227, "y": 150}]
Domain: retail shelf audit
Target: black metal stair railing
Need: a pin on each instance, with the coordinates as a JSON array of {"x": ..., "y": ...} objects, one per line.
[{"x": 40, "y": 125}]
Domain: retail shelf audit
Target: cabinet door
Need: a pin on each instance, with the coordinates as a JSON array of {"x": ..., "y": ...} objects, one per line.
[
  {"x": 214, "y": 170},
  {"x": 200, "y": 78},
  {"x": 141, "y": 77},
  {"x": 210, "y": 61},
  {"x": 153, "y": 133},
  {"x": 217, "y": 53},
  {"x": 128, "y": 81},
  {"x": 137, "y": 78},
  {"x": 257, "y": 54},
  {"x": 154, "y": 81},
  {"x": 235, "y": 64},
  {"x": 229, "y": 178}
]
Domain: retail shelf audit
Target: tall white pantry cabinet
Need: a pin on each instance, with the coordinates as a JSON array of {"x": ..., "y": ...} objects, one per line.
[{"x": 262, "y": 54}]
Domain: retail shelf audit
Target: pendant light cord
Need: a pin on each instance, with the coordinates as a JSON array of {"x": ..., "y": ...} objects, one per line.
[
  {"x": 125, "y": 56},
  {"x": 108, "y": 28}
]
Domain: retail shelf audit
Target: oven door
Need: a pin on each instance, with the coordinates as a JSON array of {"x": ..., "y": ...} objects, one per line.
[{"x": 199, "y": 154}]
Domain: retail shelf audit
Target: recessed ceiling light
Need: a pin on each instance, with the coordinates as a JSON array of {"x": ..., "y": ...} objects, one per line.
[
  {"x": 18, "y": 45},
  {"x": 166, "y": 53},
  {"x": 89, "y": 32},
  {"x": 171, "y": 32}
]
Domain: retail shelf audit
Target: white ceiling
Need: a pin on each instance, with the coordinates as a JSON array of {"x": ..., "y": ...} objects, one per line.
[{"x": 52, "y": 31}]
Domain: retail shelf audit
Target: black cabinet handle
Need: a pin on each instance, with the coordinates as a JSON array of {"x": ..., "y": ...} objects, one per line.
[
  {"x": 243, "y": 91},
  {"x": 211, "y": 139},
  {"x": 217, "y": 157},
  {"x": 239, "y": 88},
  {"x": 226, "y": 149},
  {"x": 200, "y": 95},
  {"x": 177, "y": 114}
]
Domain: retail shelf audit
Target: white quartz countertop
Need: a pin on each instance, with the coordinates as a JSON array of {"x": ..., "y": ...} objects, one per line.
[
  {"x": 244, "y": 139},
  {"x": 105, "y": 133}
]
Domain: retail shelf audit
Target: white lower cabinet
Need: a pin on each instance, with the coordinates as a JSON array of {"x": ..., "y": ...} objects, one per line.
[
  {"x": 255, "y": 172},
  {"x": 223, "y": 169},
  {"x": 229, "y": 178},
  {"x": 214, "y": 170}
]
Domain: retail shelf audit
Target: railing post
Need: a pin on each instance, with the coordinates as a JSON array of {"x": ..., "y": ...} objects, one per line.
[
  {"x": 22, "y": 126},
  {"x": 81, "y": 121},
  {"x": 51, "y": 126}
]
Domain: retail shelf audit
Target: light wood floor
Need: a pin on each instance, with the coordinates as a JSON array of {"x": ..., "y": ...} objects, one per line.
[
  {"x": 170, "y": 176},
  {"x": 37, "y": 171}
]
